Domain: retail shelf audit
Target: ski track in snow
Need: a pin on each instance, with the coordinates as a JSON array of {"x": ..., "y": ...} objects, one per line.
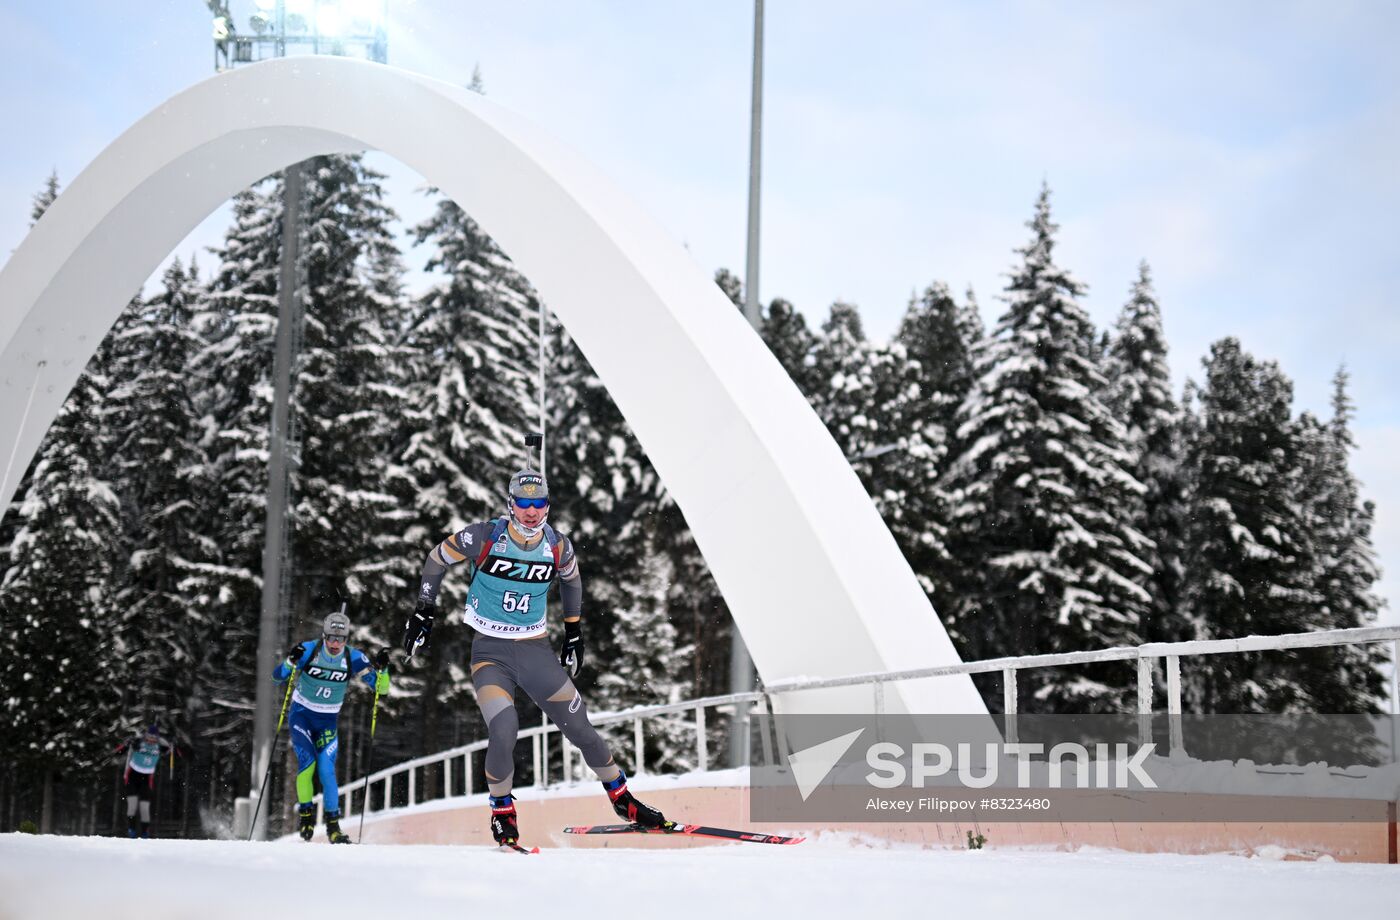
[{"x": 50, "y": 878}]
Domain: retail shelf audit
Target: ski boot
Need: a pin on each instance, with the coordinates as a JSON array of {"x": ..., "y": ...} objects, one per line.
[
  {"x": 504, "y": 828},
  {"x": 333, "y": 832},
  {"x": 306, "y": 821},
  {"x": 629, "y": 809},
  {"x": 131, "y": 828},
  {"x": 145, "y": 830}
]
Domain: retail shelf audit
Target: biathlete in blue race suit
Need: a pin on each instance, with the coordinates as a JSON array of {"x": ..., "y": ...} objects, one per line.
[{"x": 323, "y": 672}]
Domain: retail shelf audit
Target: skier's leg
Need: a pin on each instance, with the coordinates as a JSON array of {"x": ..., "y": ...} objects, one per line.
[
  {"x": 147, "y": 785},
  {"x": 328, "y": 740},
  {"x": 546, "y": 683},
  {"x": 494, "y": 680},
  {"x": 329, "y": 744},
  {"x": 493, "y": 677},
  {"x": 304, "y": 744},
  {"x": 542, "y": 677},
  {"x": 133, "y": 799}
]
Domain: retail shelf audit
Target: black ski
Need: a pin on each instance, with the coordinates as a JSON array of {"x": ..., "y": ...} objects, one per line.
[{"x": 691, "y": 830}]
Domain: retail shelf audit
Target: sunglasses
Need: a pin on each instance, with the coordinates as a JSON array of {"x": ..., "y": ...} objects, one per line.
[{"x": 532, "y": 503}]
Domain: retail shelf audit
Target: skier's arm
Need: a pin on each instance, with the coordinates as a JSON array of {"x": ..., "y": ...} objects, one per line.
[
  {"x": 462, "y": 546},
  {"x": 570, "y": 582},
  {"x": 360, "y": 664},
  {"x": 571, "y": 597},
  {"x": 298, "y": 654}
]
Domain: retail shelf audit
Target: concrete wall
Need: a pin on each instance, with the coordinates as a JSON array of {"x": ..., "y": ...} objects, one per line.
[{"x": 466, "y": 820}]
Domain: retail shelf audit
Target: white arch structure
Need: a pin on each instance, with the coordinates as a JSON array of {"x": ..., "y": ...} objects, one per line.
[{"x": 811, "y": 573}]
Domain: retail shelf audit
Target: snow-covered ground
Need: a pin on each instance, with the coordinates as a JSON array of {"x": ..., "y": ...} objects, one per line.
[{"x": 44, "y": 878}]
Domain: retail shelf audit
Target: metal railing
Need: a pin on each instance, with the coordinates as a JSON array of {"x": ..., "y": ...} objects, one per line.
[
  {"x": 539, "y": 736},
  {"x": 747, "y": 703}
]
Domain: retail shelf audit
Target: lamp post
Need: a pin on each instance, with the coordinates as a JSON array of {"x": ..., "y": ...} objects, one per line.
[
  {"x": 320, "y": 27},
  {"x": 741, "y": 675}
]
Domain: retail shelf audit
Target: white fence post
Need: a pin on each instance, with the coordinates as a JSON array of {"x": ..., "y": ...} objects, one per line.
[
  {"x": 1174, "y": 703},
  {"x": 637, "y": 759},
  {"x": 1144, "y": 700},
  {"x": 544, "y": 751},
  {"x": 412, "y": 786},
  {"x": 1394, "y": 701},
  {"x": 447, "y": 777},
  {"x": 767, "y": 738},
  {"x": 702, "y": 743},
  {"x": 1008, "y": 703},
  {"x": 564, "y": 753}
]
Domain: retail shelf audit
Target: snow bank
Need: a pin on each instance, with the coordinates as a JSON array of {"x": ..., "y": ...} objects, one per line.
[{"x": 71, "y": 877}]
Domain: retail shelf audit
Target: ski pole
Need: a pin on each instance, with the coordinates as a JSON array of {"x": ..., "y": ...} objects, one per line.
[
  {"x": 369, "y": 762},
  {"x": 272, "y": 757}
]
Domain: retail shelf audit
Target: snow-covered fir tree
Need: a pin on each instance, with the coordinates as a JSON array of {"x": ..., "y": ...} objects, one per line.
[
  {"x": 1250, "y": 560},
  {"x": 238, "y": 326},
  {"x": 1139, "y": 394},
  {"x": 346, "y": 526},
  {"x": 731, "y": 285},
  {"x": 348, "y": 393},
  {"x": 873, "y": 401},
  {"x": 1040, "y": 490},
  {"x": 788, "y": 337},
  {"x": 63, "y": 685},
  {"x": 166, "y": 629},
  {"x": 941, "y": 335},
  {"x": 1346, "y": 678},
  {"x": 939, "y": 338},
  {"x": 842, "y": 366}
]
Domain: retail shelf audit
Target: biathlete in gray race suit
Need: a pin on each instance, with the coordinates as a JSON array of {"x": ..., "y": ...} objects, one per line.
[{"x": 512, "y": 561}]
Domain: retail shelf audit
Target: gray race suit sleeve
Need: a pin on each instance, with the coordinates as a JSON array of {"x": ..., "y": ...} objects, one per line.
[
  {"x": 570, "y": 582},
  {"x": 462, "y": 546}
]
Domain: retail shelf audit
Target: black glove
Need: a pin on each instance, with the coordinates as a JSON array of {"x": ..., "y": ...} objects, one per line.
[
  {"x": 381, "y": 660},
  {"x": 571, "y": 655},
  {"x": 418, "y": 627}
]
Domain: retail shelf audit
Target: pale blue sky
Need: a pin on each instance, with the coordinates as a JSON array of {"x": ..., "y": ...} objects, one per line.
[{"x": 1247, "y": 150}]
